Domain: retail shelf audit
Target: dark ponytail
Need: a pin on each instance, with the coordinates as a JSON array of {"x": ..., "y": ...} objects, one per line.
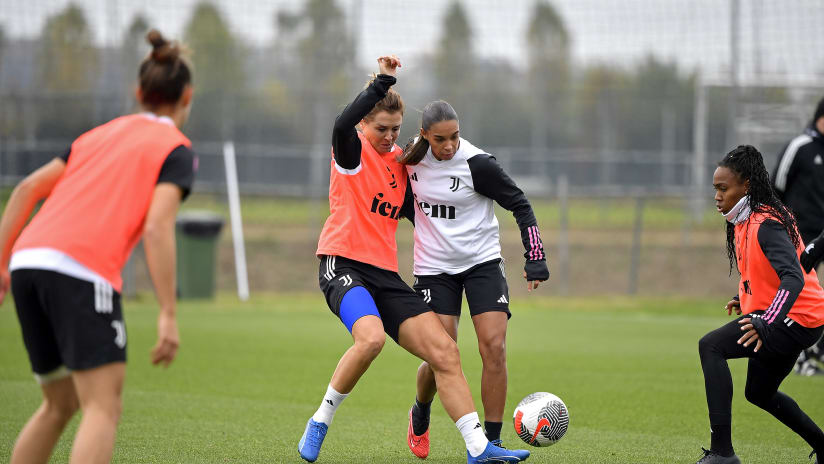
[
  {"x": 433, "y": 112},
  {"x": 164, "y": 73},
  {"x": 748, "y": 164}
]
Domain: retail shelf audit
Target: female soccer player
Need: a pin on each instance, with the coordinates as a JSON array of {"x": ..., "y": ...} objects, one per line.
[
  {"x": 359, "y": 269},
  {"x": 118, "y": 182},
  {"x": 457, "y": 249},
  {"x": 783, "y": 307}
]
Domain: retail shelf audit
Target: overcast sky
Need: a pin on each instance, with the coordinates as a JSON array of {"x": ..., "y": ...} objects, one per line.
[{"x": 781, "y": 39}]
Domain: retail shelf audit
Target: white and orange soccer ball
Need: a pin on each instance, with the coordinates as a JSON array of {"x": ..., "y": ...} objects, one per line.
[{"x": 541, "y": 419}]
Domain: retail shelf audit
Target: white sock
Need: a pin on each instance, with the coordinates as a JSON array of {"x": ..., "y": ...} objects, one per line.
[
  {"x": 473, "y": 434},
  {"x": 331, "y": 401}
]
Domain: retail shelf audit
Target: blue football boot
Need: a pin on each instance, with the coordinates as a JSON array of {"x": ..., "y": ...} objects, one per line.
[
  {"x": 312, "y": 439},
  {"x": 493, "y": 454}
]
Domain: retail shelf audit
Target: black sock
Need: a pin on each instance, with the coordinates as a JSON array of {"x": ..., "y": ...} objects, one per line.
[
  {"x": 722, "y": 440},
  {"x": 420, "y": 417},
  {"x": 493, "y": 430}
]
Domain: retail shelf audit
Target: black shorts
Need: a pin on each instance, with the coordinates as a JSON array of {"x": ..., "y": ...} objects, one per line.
[
  {"x": 67, "y": 321},
  {"x": 396, "y": 302},
  {"x": 485, "y": 286}
]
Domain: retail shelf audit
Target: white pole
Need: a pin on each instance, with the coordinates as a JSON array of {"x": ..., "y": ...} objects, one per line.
[
  {"x": 237, "y": 224},
  {"x": 563, "y": 236},
  {"x": 699, "y": 158}
]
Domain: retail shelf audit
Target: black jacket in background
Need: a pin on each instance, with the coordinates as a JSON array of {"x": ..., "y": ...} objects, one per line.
[{"x": 798, "y": 179}]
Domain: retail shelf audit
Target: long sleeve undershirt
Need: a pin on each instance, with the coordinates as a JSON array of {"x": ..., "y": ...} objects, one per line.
[
  {"x": 491, "y": 181},
  {"x": 779, "y": 250},
  {"x": 346, "y": 146}
]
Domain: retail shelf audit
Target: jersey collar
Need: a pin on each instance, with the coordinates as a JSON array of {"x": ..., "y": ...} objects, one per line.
[
  {"x": 154, "y": 117},
  {"x": 740, "y": 212}
]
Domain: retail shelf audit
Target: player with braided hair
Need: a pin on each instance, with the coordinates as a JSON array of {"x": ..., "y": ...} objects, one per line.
[
  {"x": 761, "y": 197},
  {"x": 782, "y": 307}
]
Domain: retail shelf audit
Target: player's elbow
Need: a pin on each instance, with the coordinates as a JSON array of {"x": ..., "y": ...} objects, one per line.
[
  {"x": 155, "y": 231},
  {"x": 29, "y": 189}
]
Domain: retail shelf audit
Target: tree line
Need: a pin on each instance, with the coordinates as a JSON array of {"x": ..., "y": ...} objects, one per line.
[{"x": 289, "y": 91}]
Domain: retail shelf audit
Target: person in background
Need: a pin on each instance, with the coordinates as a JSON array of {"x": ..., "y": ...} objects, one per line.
[
  {"x": 117, "y": 183},
  {"x": 799, "y": 182}
]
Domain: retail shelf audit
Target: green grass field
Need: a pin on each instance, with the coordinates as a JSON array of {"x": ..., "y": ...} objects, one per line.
[{"x": 249, "y": 375}]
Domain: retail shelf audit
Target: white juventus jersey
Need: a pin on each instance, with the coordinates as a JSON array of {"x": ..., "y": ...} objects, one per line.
[{"x": 455, "y": 226}]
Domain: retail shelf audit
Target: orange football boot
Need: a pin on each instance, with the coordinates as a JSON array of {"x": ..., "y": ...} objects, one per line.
[{"x": 419, "y": 444}]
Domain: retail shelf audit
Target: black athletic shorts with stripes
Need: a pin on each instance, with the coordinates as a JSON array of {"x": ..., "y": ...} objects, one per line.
[
  {"x": 67, "y": 321},
  {"x": 485, "y": 286},
  {"x": 396, "y": 302}
]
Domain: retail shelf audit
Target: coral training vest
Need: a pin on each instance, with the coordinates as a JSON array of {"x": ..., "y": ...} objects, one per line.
[
  {"x": 364, "y": 207},
  {"x": 759, "y": 282},
  {"x": 96, "y": 211}
]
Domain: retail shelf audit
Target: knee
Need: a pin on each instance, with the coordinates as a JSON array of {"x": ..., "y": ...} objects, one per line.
[
  {"x": 371, "y": 345},
  {"x": 61, "y": 411},
  {"x": 109, "y": 408},
  {"x": 757, "y": 396},
  {"x": 705, "y": 345},
  {"x": 113, "y": 409},
  {"x": 493, "y": 352},
  {"x": 445, "y": 357}
]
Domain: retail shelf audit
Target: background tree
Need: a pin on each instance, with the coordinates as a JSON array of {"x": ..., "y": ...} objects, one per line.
[
  {"x": 2, "y": 41},
  {"x": 133, "y": 49},
  {"x": 321, "y": 49},
  {"x": 134, "y": 46},
  {"x": 219, "y": 78},
  {"x": 67, "y": 63},
  {"x": 503, "y": 114},
  {"x": 455, "y": 63},
  {"x": 548, "y": 69},
  {"x": 659, "y": 96}
]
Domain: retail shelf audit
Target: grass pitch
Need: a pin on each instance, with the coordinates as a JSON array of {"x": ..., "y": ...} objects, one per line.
[{"x": 250, "y": 374}]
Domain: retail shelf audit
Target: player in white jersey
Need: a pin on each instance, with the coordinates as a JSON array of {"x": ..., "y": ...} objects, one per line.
[{"x": 457, "y": 249}]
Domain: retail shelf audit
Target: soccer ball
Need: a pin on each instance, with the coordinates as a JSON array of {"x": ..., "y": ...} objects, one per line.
[{"x": 541, "y": 419}]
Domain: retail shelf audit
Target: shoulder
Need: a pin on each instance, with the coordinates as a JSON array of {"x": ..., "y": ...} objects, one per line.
[
  {"x": 765, "y": 219},
  {"x": 181, "y": 161},
  {"x": 483, "y": 163},
  {"x": 800, "y": 142},
  {"x": 106, "y": 126},
  {"x": 471, "y": 150}
]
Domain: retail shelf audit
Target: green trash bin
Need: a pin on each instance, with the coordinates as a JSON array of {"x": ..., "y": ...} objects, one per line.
[{"x": 197, "y": 236}]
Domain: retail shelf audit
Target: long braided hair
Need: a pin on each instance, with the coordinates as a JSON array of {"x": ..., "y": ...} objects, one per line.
[{"x": 748, "y": 164}]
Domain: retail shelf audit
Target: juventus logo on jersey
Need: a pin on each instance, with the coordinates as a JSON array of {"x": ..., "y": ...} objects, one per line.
[
  {"x": 414, "y": 177},
  {"x": 346, "y": 279},
  {"x": 427, "y": 295},
  {"x": 455, "y": 184},
  {"x": 394, "y": 183}
]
